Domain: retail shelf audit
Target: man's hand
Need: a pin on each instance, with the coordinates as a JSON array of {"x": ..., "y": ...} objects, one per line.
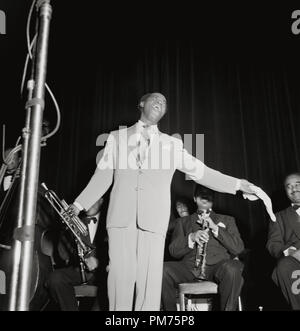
[
  {"x": 91, "y": 263},
  {"x": 296, "y": 254},
  {"x": 245, "y": 187},
  {"x": 73, "y": 209},
  {"x": 290, "y": 251},
  {"x": 211, "y": 224},
  {"x": 200, "y": 236}
]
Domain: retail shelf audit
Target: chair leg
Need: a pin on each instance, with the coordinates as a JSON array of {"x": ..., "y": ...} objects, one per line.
[{"x": 182, "y": 301}]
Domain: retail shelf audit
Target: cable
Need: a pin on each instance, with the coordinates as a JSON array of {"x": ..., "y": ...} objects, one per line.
[
  {"x": 30, "y": 45},
  {"x": 26, "y": 63}
]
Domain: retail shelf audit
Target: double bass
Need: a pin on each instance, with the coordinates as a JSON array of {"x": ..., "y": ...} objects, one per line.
[{"x": 42, "y": 263}]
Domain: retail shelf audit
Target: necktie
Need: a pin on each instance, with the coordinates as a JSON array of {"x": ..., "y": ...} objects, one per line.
[
  {"x": 296, "y": 207},
  {"x": 143, "y": 145},
  {"x": 89, "y": 219}
]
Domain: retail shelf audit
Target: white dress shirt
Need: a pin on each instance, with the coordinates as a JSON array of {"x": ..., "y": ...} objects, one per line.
[
  {"x": 93, "y": 227},
  {"x": 7, "y": 182}
]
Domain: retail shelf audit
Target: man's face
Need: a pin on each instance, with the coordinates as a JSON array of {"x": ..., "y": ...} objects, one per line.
[
  {"x": 153, "y": 108},
  {"x": 203, "y": 203},
  {"x": 182, "y": 209},
  {"x": 292, "y": 188}
]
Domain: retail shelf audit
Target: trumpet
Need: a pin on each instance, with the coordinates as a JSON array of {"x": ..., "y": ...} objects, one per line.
[
  {"x": 200, "y": 261},
  {"x": 73, "y": 222}
]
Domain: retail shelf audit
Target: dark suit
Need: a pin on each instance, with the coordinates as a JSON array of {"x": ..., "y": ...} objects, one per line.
[
  {"x": 9, "y": 212},
  {"x": 283, "y": 233},
  {"x": 220, "y": 267},
  {"x": 61, "y": 282}
]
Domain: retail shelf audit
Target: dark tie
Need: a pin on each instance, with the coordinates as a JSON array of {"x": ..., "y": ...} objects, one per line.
[
  {"x": 295, "y": 207},
  {"x": 89, "y": 219}
]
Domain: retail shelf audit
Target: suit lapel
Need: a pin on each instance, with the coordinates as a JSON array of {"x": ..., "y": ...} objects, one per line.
[
  {"x": 294, "y": 220},
  {"x": 193, "y": 221},
  {"x": 215, "y": 217}
]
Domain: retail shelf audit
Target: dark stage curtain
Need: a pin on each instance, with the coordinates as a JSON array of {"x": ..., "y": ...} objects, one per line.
[{"x": 237, "y": 84}]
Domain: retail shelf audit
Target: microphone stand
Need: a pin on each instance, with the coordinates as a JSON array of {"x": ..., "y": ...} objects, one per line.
[{"x": 19, "y": 292}]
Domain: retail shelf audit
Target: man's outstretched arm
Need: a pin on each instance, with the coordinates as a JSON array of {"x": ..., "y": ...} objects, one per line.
[
  {"x": 100, "y": 181},
  {"x": 208, "y": 177}
]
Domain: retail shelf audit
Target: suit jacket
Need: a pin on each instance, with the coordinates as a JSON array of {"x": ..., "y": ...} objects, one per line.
[
  {"x": 143, "y": 195},
  {"x": 225, "y": 246},
  {"x": 283, "y": 233}
]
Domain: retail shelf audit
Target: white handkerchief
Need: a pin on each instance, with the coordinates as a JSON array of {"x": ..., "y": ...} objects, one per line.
[
  {"x": 259, "y": 193},
  {"x": 222, "y": 225}
]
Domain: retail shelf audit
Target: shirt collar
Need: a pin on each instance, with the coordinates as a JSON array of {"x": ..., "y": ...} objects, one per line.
[{"x": 151, "y": 128}]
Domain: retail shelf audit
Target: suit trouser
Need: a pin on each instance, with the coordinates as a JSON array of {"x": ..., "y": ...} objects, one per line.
[
  {"x": 227, "y": 274},
  {"x": 286, "y": 276},
  {"x": 135, "y": 266},
  {"x": 61, "y": 284}
]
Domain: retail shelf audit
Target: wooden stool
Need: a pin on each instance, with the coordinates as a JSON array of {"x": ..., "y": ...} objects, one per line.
[
  {"x": 201, "y": 287},
  {"x": 86, "y": 291}
]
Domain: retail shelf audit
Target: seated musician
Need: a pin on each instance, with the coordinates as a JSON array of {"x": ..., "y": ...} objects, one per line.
[
  {"x": 181, "y": 209},
  {"x": 61, "y": 281},
  {"x": 8, "y": 201},
  {"x": 284, "y": 243},
  {"x": 11, "y": 167},
  {"x": 223, "y": 243}
]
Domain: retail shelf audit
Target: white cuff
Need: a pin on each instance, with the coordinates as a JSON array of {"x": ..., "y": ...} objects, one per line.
[
  {"x": 238, "y": 185},
  {"x": 215, "y": 232},
  {"x": 286, "y": 252},
  {"x": 191, "y": 243},
  {"x": 78, "y": 205}
]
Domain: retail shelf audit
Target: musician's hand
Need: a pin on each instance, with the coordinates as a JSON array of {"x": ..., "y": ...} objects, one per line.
[
  {"x": 74, "y": 209},
  {"x": 91, "y": 263},
  {"x": 291, "y": 250},
  {"x": 246, "y": 187},
  {"x": 200, "y": 236},
  {"x": 296, "y": 254},
  {"x": 211, "y": 224}
]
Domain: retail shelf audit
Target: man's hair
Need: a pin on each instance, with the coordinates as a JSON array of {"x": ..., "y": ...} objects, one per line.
[
  {"x": 291, "y": 174},
  {"x": 182, "y": 200},
  {"x": 143, "y": 99},
  {"x": 203, "y": 192}
]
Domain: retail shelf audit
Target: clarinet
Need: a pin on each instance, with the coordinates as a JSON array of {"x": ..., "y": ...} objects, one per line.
[
  {"x": 200, "y": 261},
  {"x": 82, "y": 265}
]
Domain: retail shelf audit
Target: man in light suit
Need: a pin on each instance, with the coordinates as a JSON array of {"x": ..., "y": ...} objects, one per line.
[
  {"x": 140, "y": 161},
  {"x": 284, "y": 243}
]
